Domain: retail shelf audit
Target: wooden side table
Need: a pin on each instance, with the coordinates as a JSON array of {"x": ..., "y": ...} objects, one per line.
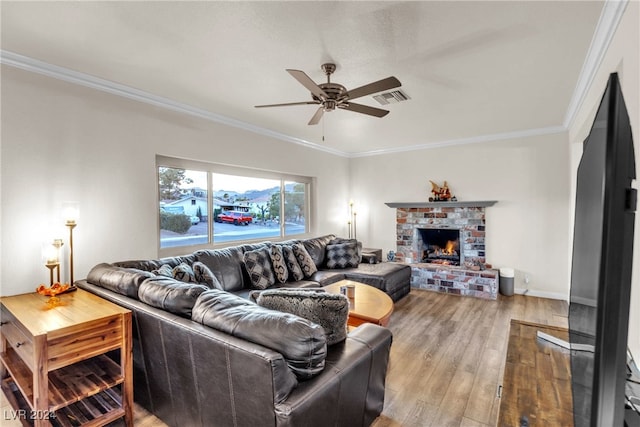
[
  {"x": 55, "y": 370},
  {"x": 372, "y": 255}
]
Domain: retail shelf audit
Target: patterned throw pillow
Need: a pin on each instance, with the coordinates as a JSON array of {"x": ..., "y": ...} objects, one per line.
[
  {"x": 327, "y": 310},
  {"x": 164, "y": 270},
  {"x": 342, "y": 255},
  {"x": 258, "y": 265},
  {"x": 295, "y": 272},
  {"x": 279, "y": 265},
  {"x": 354, "y": 241},
  {"x": 304, "y": 260},
  {"x": 203, "y": 274},
  {"x": 184, "y": 273}
]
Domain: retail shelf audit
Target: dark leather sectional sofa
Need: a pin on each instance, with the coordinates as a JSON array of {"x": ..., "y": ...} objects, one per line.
[{"x": 189, "y": 373}]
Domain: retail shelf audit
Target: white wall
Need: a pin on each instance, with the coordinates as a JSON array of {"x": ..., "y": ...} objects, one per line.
[
  {"x": 623, "y": 57},
  {"x": 64, "y": 142},
  {"x": 529, "y": 178}
]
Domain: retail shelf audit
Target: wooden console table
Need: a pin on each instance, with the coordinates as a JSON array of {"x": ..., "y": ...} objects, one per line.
[
  {"x": 54, "y": 364},
  {"x": 537, "y": 378}
]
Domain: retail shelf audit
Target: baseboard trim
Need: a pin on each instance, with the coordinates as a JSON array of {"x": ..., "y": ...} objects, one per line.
[{"x": 541, "y": 294}]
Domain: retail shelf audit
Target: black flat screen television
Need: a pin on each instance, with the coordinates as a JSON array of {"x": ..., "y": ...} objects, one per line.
[{"x": 601, "y": 267}]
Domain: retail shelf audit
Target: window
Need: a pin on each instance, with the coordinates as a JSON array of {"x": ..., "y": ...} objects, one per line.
[
  {"x": 245, "y": 204},
  {"x": 295, "y": 203},
  {"x": 183, "y": 215}
]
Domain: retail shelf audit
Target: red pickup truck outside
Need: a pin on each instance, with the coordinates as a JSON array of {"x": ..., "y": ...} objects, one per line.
[{"x": 235, "y": 217}]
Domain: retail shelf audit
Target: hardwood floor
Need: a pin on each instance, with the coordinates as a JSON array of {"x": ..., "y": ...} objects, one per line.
[{"x": 447, "y": 358}]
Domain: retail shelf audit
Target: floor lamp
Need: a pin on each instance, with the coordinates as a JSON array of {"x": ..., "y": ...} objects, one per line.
[
  {"x": 352, "y": 222},
  {"x": 71, "y": 212}
]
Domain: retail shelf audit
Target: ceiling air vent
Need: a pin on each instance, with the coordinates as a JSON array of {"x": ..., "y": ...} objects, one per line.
[{"x": 391, "y": 97}]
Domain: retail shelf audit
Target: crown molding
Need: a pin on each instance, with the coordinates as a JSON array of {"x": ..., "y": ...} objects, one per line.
[
  {"x": 466, "y": 141},
  {"x": 612, "y": 12},
  {"x": 75, "y": 77}
]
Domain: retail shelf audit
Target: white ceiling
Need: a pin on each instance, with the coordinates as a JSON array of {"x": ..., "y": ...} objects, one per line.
[{"x": 472, "y": 68}]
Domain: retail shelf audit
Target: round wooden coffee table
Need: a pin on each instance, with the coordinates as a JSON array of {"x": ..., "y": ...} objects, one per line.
[{"x": 370, "y": 305}]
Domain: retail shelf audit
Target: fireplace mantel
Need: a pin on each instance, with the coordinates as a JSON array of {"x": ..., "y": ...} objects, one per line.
[{"x": 404, "y": 205}]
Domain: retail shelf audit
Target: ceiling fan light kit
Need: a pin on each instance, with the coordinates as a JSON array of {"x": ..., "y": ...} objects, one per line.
[{"x": 330, "y": 96}]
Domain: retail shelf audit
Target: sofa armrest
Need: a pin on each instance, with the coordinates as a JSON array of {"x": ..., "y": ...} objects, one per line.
[{"x": 353, "y": 379}]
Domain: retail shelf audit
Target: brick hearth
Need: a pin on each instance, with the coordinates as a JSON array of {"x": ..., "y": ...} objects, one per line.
[
  {"x": 471, "y": 278},
  {"x": 455, "y": 280}
]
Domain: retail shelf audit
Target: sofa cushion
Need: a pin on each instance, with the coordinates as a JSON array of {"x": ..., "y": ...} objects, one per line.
[
  {"x": 170, "y": 294},
  {"x": 184, "y": 273},
  {"x": 390, "y": 277},
  {"x": 305, "y": 261},
  {"x": 302, "y": 343},
  {"x": 226, "y": 265},
  {"x": 326, "y": 277},
  {"x": 204, "y": 275},
  {"x": 164, "y": 270},
  {"x": 317, "y": 248},
  {"x": 342, "y": 255},
  {"x": 258, "y": 265},
  {"x": 154, "y": 264},
  {"x": 327, "y": 310},
  {"x": 279, "y": 265},
  {"x": 124, "y": 281},
  {"x": 295, "y": 272}
]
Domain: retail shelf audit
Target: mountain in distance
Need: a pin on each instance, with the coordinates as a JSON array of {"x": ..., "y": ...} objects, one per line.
[{"x": 251, "y": 195}]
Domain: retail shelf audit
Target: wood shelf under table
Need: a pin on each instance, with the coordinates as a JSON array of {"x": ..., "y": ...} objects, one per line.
[
  {"x": 97, "y": 410},
  {"x": 69, "y": 384}
]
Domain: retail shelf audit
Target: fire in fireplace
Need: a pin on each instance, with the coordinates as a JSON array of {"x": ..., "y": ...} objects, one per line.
[{"x": 441, "y": 245}]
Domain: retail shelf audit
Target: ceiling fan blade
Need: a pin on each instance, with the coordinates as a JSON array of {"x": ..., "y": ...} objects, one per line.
[
  {"x": 379, "y": 86},
  {"x": 364, "y": 109},
  {"x": 308, "y": 83},
  {"x": 288, "y": 104},
  {"x": 317, "y": 116}
]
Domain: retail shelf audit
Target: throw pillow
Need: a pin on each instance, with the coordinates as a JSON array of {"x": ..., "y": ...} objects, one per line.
[
  {"x": 342, "y": 255},
  {"x": 295, "y": 272},
  {"x": 279, "y": 265},
  {"x": 258, "y": 264},
  {"x": 164, "y": 270},
  {"x": 327, "y": 310},
  {"x": 203, "y": 274},
  {"x": 184, "y": 273},
  {"x": 304, "y": 260},
  {"x": 338, "y": 240}
]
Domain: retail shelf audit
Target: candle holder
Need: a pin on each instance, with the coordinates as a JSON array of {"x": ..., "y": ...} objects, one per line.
[
  {"x": 50, "y": 256},
  {"x": 57, "y": 243},
  {"x": 52, "y": 266}
]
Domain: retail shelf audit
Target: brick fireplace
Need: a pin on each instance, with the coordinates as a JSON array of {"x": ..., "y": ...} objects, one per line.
[{"x": 415, "y": 221}]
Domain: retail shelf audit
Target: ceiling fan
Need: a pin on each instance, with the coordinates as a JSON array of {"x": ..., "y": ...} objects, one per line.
[{"x": 333, "y": 95}]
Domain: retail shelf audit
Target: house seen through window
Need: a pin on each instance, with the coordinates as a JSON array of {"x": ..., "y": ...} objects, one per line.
[{"x": 200, "y": 207}]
